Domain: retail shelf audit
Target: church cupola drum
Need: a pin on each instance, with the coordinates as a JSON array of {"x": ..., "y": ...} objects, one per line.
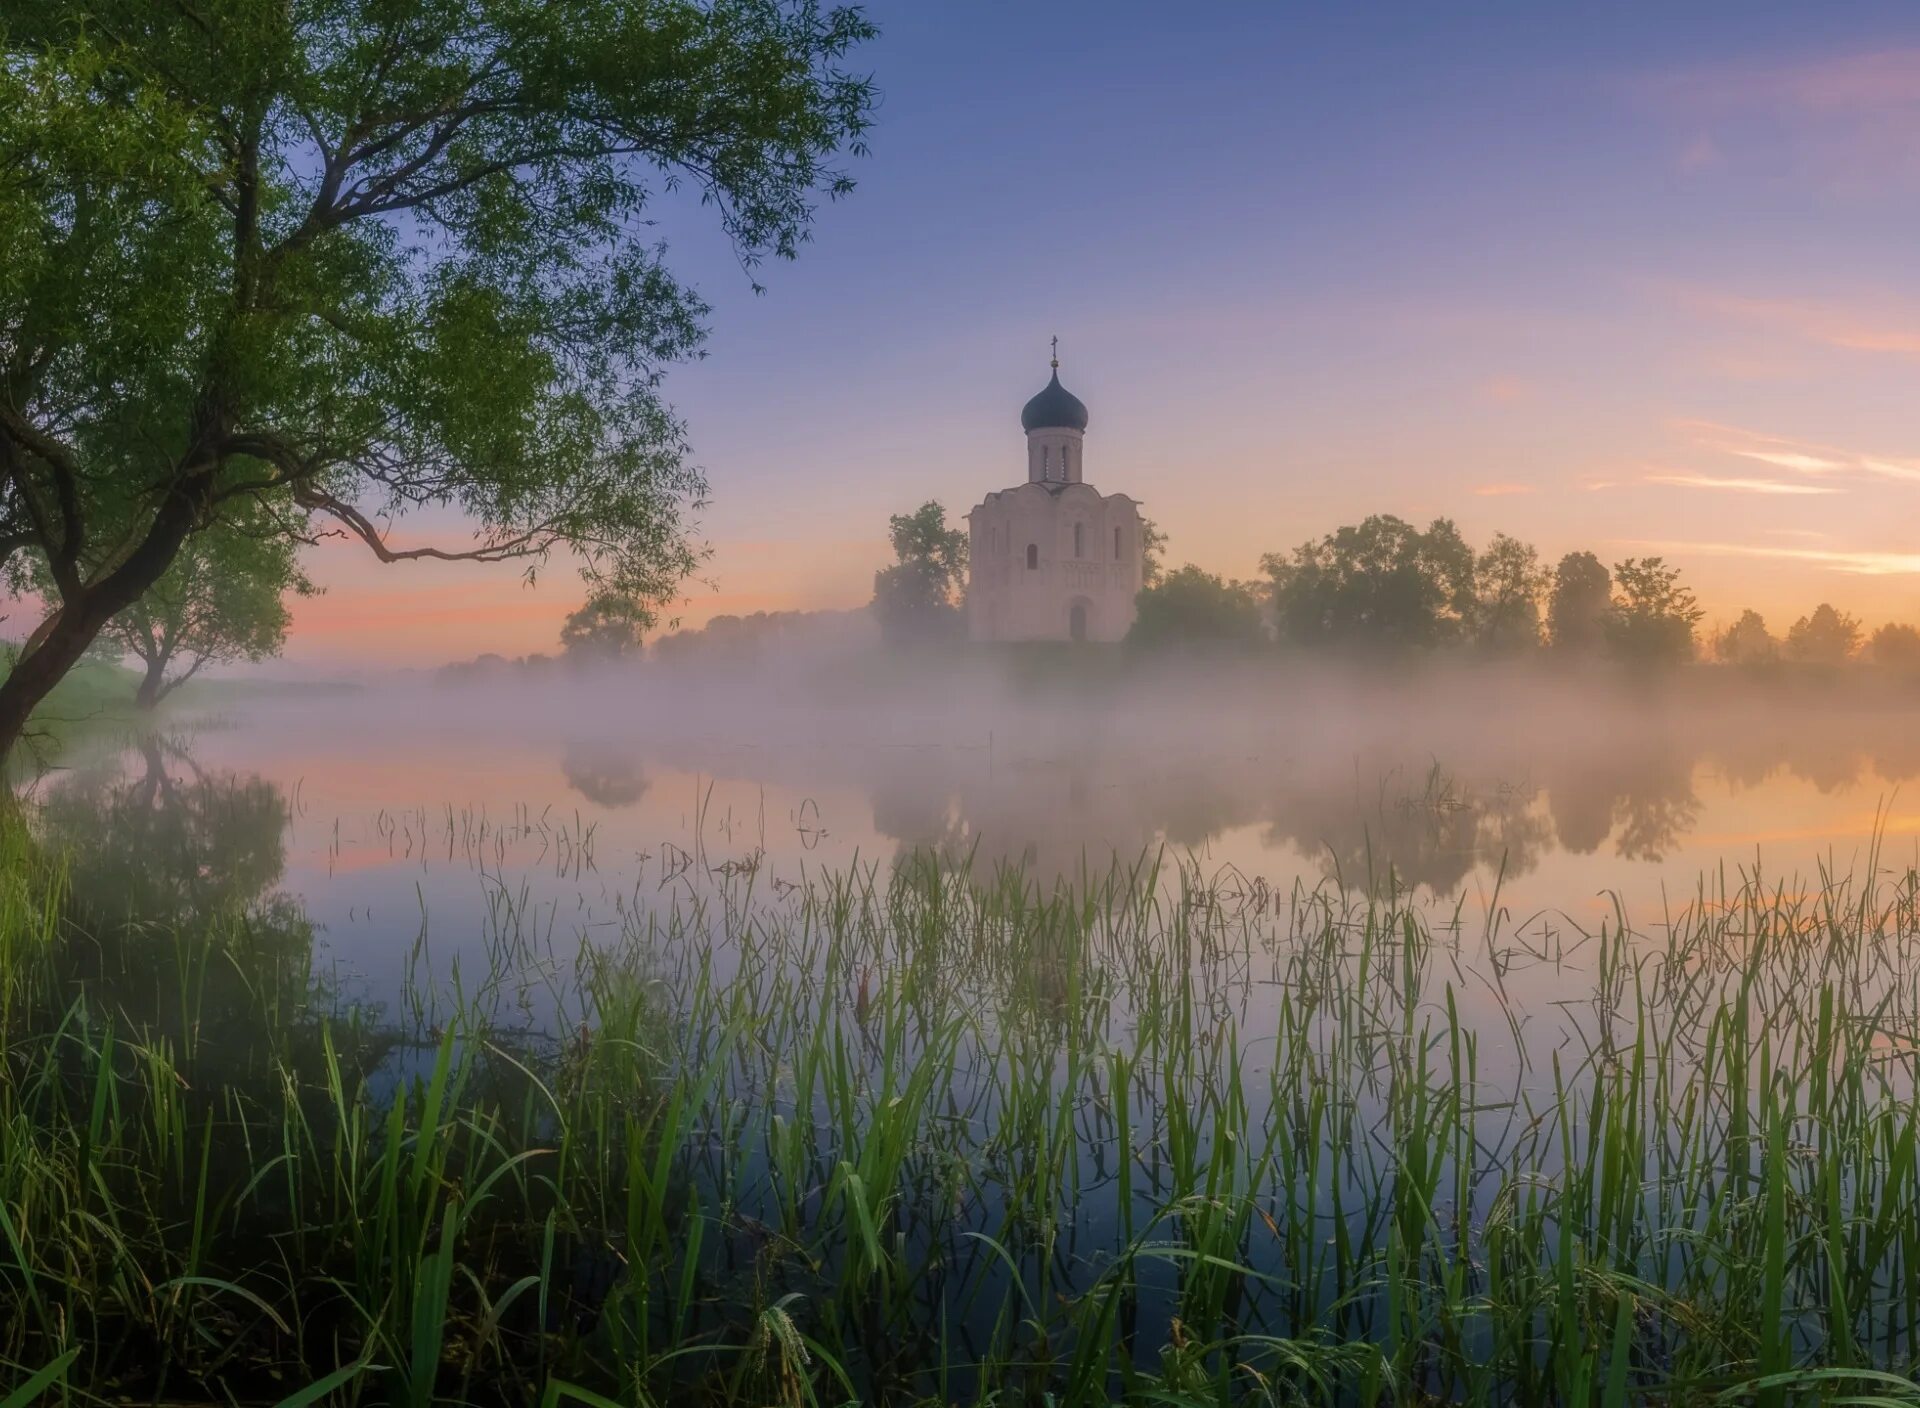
[{"x": 1054, "y": 558}]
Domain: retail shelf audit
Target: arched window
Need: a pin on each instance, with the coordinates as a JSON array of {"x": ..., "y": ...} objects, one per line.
[
  {"x": 1116, "y": 544},
  {"x": 1079, "y": 540}
]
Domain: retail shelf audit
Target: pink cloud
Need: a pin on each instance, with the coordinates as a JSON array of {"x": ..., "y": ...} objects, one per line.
[
  {"x": 1846, "y": 122},
  {"x": 1800, "y": 456},
  {"x": 1745, "y": 486},
  {"x": 1813, "y": 321},
  {"x": 1857, "y": 563}
]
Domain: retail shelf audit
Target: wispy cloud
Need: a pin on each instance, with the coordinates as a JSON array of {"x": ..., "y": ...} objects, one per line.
[
  {"x": 1495, "y": 491},
  {"x": 1735, "y": 485},
  {"x": 1845, "y": 122},
  {"x": 1856, "y": 562},
  {"x": 1800, "y": 456},
  {"x": 1812, "y": 320},
  {"x": 1866, "y": 81}
]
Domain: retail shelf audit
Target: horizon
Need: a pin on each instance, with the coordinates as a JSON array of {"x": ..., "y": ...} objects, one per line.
[{"x": 1595, "y": 282}]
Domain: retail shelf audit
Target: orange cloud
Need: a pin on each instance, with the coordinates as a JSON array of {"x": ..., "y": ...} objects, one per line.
[
  {"x": 1494, "y": 491},
  {"x": 1801, "y": 456}
]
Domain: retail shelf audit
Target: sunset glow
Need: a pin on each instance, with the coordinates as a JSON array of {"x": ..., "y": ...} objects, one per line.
[{"x": 1585, "y": 278}]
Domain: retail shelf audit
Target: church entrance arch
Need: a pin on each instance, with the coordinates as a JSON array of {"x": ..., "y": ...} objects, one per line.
[{"x": 1077, "y": 619}]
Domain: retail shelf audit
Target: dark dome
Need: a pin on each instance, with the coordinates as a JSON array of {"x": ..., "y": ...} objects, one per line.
[{"x": 1054, "y": 408}]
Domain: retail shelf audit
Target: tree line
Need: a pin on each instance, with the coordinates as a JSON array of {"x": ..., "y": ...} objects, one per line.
[{"x": 1383, "y": 586}]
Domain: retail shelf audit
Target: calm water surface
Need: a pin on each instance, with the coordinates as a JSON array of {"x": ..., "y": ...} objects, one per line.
[{"x": 407, "y": 818}]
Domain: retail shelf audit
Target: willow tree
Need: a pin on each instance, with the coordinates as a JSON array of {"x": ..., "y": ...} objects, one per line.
[{"x": 342, "y": 260}]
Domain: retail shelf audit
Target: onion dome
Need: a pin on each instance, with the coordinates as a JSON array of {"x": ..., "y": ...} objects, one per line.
[{"x": 1055, "y": 408}]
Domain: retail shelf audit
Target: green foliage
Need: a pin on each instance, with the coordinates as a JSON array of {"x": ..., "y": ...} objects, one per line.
[
  {"x": 1746, "y": 642},
  {"x": 1189, "y": 608},
  {"x": 1581, "y": 600},
  {"x": 917, "y": 598},
  {"x": 223, "y": 599},
  {"x": 1508, "y": 584},
  {"x": 1153, "y": 551},
  {"x": 1379, "y": 585},
  {"x": 1828, "y": 637},
  {"x": 1653, "y": 615},
  {"x": 608, "y": 626},
  {"x": 349, "y": 259},
  {"x": 1312, "y": 1173}
]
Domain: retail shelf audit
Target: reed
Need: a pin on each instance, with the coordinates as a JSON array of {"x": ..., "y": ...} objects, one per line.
[{"x": 923, "y": 1136}]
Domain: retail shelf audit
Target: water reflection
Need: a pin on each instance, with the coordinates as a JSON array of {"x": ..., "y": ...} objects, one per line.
[
  {"x": 175, "y": 874},
  {"x": 606, "y": 773},
  {"x": 1427, "y": 819},
  {"x": 163, "y": 836}
]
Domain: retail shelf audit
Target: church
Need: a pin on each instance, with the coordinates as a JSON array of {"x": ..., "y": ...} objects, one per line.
[{"x": 1053, "y": 558}]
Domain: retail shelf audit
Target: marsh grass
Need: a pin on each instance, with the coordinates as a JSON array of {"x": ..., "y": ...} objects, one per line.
[{"x": 924, "y": 1136}]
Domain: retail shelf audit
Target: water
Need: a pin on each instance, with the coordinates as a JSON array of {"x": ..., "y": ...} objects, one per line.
[{"x": 387, "y": 817}]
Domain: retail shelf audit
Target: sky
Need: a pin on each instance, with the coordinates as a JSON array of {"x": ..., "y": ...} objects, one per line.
[{"x": 1639, "y": 278}]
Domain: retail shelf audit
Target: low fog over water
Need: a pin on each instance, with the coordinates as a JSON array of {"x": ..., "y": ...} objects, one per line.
[{"x": 1543, "y": 801}]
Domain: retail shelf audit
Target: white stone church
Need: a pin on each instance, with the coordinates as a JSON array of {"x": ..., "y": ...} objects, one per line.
[{"x": 1053, "y": 558}]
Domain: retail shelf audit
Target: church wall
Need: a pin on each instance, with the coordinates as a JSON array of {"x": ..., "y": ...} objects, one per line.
[{"x": 1007, "y": 600}]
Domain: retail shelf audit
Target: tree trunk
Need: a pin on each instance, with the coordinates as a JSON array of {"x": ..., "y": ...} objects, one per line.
[
  {"x": 78, "y": 621},
  {"x": 150, "y": 693}
]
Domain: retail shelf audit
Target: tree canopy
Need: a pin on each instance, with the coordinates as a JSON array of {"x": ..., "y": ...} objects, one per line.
[
  {"x": 1895, "y": 646},
  {"x": 1378, "y": 584},
  {"x": 918, "y": 597},
  {"x": 342, "y": 260},
  {"x": 1827, "y": 637},
  {"x": 1192, "y": 608},
  {"x": 223, "y": 599},
  {"x": 1508, "y": 584},
  {"x": 1653, "y": 614},
  {"x": 606, "y": 627},
  {"x": 1579, "y": 603},
  {"x": 1747, "y": 642}
]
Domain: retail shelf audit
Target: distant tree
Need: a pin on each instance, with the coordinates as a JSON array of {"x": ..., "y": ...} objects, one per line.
[
  {"x": 1746, "y": 642},
  {"x": 918, "y": 597},
  {"x": 1895, "y": 647},
  {"x": 1191, "y": 608},
  {"x": 223, "y": 599},
  {"x": 1381, "y": 584},
  {"x": 607, "y": 627},
  {"x": 1508, "y": 582},
  {"x": 1653, "y": 615},
  {"x": 1153, "y": 550},
  {"x": 1827, "y": 637},
  {"x": 1580, "y": 602}
]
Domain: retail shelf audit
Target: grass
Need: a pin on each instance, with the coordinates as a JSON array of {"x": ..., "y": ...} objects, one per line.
[{"x": 917, "y": 1137}]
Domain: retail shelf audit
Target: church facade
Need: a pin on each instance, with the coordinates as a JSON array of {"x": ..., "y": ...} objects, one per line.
[{"x": 1053, "y": 558}]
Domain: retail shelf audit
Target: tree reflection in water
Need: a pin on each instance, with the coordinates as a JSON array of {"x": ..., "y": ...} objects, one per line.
[
  {"x": 174, "y": 877},
  {"x": 605, "y": 773}
]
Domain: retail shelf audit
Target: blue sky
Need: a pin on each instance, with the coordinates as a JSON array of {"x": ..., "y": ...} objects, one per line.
[{"x": 1635, "y": 277}]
